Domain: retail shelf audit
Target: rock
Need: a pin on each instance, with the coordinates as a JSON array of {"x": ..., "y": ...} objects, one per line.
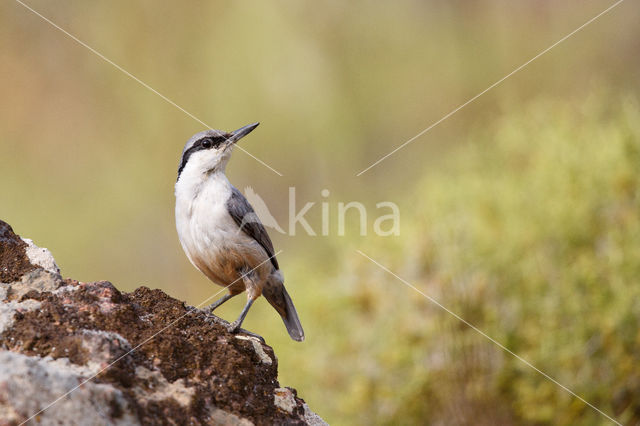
[
  {"x": 285, "y": 399},
  {"x": 86, "y": 353},
  {"x": 41, "y": 257},
  {"x": 14, "y": 262}
]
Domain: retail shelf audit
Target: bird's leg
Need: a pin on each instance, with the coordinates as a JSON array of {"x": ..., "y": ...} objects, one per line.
[
  {"x": 235, "y": 326},
  {"x": 209, "y": 309},
  {"x": 251, "y": 280}
]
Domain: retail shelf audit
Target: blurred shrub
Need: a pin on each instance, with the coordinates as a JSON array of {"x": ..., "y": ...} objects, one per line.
[{"x": 531, "y": 233}]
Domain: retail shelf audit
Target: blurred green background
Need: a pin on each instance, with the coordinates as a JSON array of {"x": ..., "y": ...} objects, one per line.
[{"x": 521, "y": 213}]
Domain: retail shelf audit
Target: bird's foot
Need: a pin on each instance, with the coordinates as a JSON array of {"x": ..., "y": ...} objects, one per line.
[
  {"x": 207, "y": 310},
  {"x": 234, "y": 328},
  {"x": 211, "y": 318},
  {"x": 252, "y": 334}
]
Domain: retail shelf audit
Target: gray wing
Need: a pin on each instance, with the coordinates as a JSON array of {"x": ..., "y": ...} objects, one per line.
[{"x": 247, "y": 219}]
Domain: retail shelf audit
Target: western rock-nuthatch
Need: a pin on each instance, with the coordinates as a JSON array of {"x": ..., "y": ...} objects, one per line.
[{"x": 220, "y": 232}]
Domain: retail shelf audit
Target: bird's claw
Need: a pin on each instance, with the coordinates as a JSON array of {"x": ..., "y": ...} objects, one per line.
[
  {"x": 209, "y": 317},
  {"x": 233, "y": 327},
  {"x": 257, "y": 336}
]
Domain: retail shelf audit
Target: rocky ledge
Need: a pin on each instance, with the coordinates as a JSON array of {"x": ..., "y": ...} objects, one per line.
[{"x": 85, "y": 353}]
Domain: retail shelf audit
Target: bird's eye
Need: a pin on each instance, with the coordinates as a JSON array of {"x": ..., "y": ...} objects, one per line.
[{"x": 206, "y": 144}]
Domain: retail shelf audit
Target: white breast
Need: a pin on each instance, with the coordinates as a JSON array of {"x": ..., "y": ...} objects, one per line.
[
  {"x": 209, "y": 236},
  {"x": 202, "y": 220}
]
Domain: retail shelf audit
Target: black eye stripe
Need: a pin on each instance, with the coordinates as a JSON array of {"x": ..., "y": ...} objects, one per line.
[
  {"x": 199, "y": 145},
  {"x": 210, "y": 142}
]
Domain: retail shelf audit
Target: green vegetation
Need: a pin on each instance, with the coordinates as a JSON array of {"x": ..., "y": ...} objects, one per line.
[{"x": 531, "y": 233}]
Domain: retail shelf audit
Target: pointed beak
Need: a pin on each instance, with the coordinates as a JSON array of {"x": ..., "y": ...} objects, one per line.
[{"x": 236, "y": 135}]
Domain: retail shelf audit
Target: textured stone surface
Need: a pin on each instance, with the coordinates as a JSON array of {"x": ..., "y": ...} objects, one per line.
[
  {"x": 86, "y": 353},
  {"x": 41, "y": 257}
]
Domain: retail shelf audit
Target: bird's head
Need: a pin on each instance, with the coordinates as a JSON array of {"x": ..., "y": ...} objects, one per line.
[{"x": 210, "y": 150}]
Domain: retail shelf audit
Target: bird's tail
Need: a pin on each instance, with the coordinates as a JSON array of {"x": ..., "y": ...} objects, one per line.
[{"x": 280, "y": 300}]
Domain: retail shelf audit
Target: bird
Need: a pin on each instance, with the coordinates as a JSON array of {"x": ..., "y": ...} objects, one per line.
[{"x": 210, "y": 219}]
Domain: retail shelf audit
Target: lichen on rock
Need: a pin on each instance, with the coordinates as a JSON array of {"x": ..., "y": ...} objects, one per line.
[{"x": 102, "y": 356}]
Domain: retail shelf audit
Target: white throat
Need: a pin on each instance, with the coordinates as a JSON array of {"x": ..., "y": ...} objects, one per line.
[{"x": 193, "y": 181}]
